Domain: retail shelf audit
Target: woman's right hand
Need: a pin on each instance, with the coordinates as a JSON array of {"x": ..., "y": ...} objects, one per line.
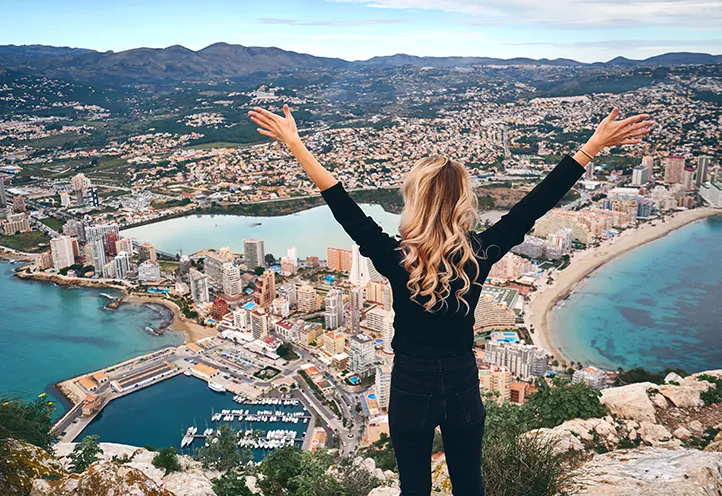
[
  {"x": 274, "y": 126},
  {"x": 611, "y": 132}
]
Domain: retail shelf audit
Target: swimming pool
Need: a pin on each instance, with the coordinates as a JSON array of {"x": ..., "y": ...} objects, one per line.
[
  {"x": 353, "y": 380},
  {"x": 372, "y": 396}
]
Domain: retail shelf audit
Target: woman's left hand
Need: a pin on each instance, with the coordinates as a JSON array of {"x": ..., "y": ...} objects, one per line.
[{"x": 274, "y": 126}]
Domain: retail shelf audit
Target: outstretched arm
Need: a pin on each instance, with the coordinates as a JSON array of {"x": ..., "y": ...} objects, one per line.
[
  {"x": 372, "y": 241},
  {"x": 510, "y": 230}
]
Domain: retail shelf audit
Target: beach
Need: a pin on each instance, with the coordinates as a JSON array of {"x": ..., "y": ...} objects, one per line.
[
  {"x": 193, "y": 331},
  {"x": 582, "y": 264}
]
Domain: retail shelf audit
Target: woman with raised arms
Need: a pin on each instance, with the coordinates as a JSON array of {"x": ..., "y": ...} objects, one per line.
[{"x": 436, "y": 267}]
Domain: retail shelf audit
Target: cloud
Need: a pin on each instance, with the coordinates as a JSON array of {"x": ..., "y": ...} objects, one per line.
[
  {"x": 625, "y": 44},
  {"x": 580, "y": 13},
  {"x": 303, "y": 22}
]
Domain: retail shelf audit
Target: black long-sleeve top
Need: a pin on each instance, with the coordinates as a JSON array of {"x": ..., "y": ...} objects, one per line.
[{"x": 448, "y": 330}]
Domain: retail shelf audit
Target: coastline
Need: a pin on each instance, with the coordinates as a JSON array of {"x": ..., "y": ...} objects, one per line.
[
  {"x": 193, "y": 331},
  {"x": 585, "y": 263}
]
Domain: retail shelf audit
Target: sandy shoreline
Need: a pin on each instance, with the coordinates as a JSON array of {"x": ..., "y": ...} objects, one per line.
[{"x": 584, "y": 263}]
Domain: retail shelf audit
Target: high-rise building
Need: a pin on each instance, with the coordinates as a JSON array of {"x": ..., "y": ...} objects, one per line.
[
  {"x": 146, "y": 251},
  {"x": 291, "y": 253},
  {"x": 357, "y": 297},
  {"x": 362, "y": 356},
  {"x": 213, "y": 267},
  {"x": 265, "y": 289},
  {"x": 242, "y": 319},
  {"x": 110, "y": 240},
  {"x": 673, "y": 169},
  {"x": 16, "y": 223},
  {"x": 589, "y": 171},
  {"x": 65, "y": 199},
  {"x": 383, "y": 384},
  {"x": 388, "y": 297},
  {"x": 3, "y": 195},
  {"x": 80, "y": 184},
  {"x": 307, "y": 299},
  {"x": 352, "y": 319},
  {"x": 591, "y": 376},
  {"x": 100, "y": 231},
  {"x": 184, "y": 265},
  {"x": 497, "y": 381},
  {"x": 98, "y": 251},
  {"x": 640, "y": 175},
  {"x": 125, "y": 245},
  {"x": 61, "y": 249},
  {"x": 338, "y": 259},
  {"x": 280, "y": 306},
  {"x": 333, "y": 314},
  {"x": 712, "y": 193},
  {"x": 688, "y": 178},
  {"x": 109, "y": 270},
  {"x": 122, "y": 264},
  {"x": 254, "y": 253},
  {"x": 375, "y": 319},
  {"x": 230, "y": 280},
  {"x": 149, "y": 271},
  {"x": 219, "y": 309},
  {"x": 387, "y": 330},
  {"x": 702, "y": 170},
  {"x": 334, "y": 342},
  {"x": 92, "y": 198},
  {"x": 199, "y": 286},
  {"x": 259, "y": 323},
  {"x": 376, "y": 291},
  {"x": 523, "y": 360},
  {"x": 288, "y": 291},
  {"x": 362, "y": 270},
  {"x": 289, "y": 266},
  {"x": 19, "y": 204}
]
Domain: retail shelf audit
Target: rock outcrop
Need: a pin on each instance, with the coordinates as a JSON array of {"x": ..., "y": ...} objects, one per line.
[
  {"x": 21, "y": 464},
  {"x": 631, "y": 402},
  {"x": 657, "y": 471}
]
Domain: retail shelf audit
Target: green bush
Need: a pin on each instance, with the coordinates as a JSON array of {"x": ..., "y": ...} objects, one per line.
[
  {"x": 167, "y": 459},
  {"x": 230, "y": 484},
  {"x": 562, "y": 401},
  {"x": 28, "y": 421},
  {"x": 85, "y": 454},
  {"x": 223, "y": 454},
  {"x": 713, "y": 394}
]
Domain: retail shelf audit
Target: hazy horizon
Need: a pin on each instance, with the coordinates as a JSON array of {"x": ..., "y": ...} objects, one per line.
[{"x": 361, "y": 29}]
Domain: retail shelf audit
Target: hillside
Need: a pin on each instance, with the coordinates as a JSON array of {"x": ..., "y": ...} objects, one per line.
[{"x": 225, "y": 61}]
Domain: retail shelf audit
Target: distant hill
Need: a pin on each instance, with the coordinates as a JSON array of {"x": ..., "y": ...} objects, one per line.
[{"x": 222, "y": 60}]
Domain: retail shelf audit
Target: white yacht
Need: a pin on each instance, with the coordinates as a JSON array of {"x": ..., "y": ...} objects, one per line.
[{"x": 216, "y": 387}]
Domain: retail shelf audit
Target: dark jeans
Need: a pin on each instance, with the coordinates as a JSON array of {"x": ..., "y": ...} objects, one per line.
[{"x": 427, "y": 392}]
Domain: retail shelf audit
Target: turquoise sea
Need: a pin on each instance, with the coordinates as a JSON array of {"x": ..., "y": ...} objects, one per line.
[
  {"x": 657, "y": 306},
  {"x": 50, "y": 333},
  {"x": 310, "y": 231},
  {"x": 159, "y": 415}
]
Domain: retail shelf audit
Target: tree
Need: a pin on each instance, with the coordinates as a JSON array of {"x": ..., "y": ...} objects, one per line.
[
  {"x": 28, "y": 421},
  {"x": 270, "y": 259},
  {"x": 167, "y": 459},
  {"x": 259, "y": 270},
  {"x": 222, "y": 452},
  {"x": 562, "y": 401},
  {"x": 382, "y": 452},
  {"x": 85, "y": 454},
  {"x": 229, "y": 484}
]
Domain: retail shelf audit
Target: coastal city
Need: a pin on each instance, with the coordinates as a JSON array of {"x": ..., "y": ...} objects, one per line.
[{"x": 300, "y": 347}]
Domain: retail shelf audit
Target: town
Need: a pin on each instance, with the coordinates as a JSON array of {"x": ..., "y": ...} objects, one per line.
[{"x": 319, "y": 330}]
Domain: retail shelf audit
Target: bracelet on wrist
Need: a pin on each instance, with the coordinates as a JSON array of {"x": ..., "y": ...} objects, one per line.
[{"x": 585, "y": 153}]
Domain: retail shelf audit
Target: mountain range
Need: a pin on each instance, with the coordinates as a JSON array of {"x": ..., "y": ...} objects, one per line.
[{"x": 222, "y": 60}]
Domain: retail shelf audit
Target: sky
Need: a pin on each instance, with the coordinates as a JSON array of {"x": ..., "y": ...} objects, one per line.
[{"x": 584, "y": 30}]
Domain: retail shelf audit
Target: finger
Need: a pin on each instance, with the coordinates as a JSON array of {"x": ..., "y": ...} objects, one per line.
[
  {"x": 639, "y": 132},
  {"x": 262, "y": 121},
  {"x": 613, "y": 114},
  {"x": 633, "y": 119},
  {"x": 640, "y": 125},
  {"x": 631, "y": 141},
  {"x": 286, "y": 111},
  {"x": 266, "y": 133},
  {"x": 265, "y": 113}
]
